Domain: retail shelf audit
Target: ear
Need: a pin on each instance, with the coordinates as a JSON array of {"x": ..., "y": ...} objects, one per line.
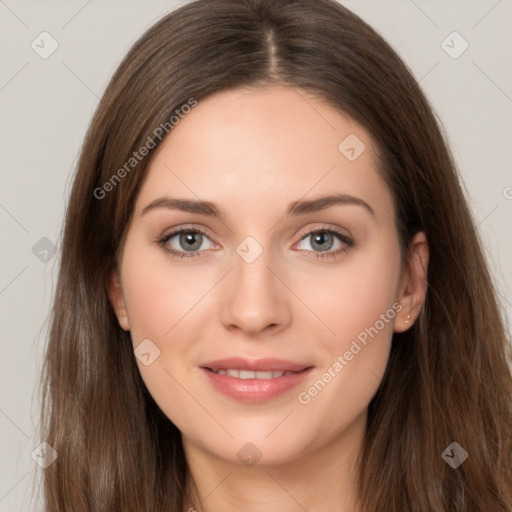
[
  {"x": 413, "y": 283},
  {"x": 115, "y": 293}
]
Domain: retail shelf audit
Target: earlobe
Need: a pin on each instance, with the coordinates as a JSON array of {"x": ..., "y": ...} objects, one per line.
[
  {"x": 413, "y": 285},
  {"x": 116, "y": 297}
]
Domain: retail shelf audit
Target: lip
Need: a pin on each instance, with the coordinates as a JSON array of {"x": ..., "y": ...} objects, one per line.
[
  {"x": 255, "y": 390},
  {"x": 255, "y": 365}
]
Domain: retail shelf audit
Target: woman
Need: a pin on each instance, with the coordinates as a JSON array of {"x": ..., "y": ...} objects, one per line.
[{"x": 329, "y": 340}]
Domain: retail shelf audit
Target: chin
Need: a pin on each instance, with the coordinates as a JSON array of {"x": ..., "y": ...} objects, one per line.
[{"x": 249, "y": 447}]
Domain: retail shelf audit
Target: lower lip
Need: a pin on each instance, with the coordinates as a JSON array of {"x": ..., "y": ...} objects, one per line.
[{"x": 255, "y": 390}]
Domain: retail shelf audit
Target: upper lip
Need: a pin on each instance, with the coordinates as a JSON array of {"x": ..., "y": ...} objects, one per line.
[{"x": 255, "y": 365}]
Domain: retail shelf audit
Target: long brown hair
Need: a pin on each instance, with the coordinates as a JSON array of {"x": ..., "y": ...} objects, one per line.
[{"x": 448, "y": 378}]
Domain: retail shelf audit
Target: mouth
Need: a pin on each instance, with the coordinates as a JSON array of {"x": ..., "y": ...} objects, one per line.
[
  {"x": 248, "y": 374},
  {"x": 254, "y": 381}
]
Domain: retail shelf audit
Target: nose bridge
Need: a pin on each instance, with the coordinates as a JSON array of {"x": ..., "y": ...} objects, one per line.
[{"x": 256, "y": 298}]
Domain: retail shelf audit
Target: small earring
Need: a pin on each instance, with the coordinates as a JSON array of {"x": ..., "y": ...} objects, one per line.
[{"x": 407, "y": 319}]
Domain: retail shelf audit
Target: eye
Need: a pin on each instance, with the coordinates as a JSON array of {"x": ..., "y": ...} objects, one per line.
[
  {"x": 190, "y": 243},
  {"x": 191, "y": 240},
  {"x": 323, "y": 239}
]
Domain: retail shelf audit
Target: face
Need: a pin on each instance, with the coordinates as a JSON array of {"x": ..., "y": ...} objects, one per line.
[{"x": 267, "y": 271}]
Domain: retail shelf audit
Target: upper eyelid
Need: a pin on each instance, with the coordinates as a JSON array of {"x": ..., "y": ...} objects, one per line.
[{"x": 309, "y": 231}]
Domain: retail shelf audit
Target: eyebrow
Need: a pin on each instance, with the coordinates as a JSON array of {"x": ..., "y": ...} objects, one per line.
[{"x": 295, "y": 208}]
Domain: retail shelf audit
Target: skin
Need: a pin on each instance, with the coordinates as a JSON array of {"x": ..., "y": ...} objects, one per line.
[{"x": 253, "y": 152}]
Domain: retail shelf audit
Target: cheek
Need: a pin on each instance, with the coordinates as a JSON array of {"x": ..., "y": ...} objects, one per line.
[
  {"x": 358, "y": 304},
  {"x": 160, "y": 298},
  {"x": 339, "y": 311},
  {"x": 339, "y": 302},
  {"x": 352, "y": 297},
  {"x": 158, "y": 291}
]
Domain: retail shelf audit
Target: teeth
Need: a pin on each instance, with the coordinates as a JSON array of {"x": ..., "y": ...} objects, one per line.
[
  {"x": 248, "y": 374},
  {"x": 263, "y": 375}
]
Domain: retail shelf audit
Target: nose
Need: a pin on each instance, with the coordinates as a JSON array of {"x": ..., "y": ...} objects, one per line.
[{"x": 256, "y": 298}]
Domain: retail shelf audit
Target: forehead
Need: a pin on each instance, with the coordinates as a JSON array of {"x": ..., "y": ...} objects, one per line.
[{"x": 265, "y": 146}]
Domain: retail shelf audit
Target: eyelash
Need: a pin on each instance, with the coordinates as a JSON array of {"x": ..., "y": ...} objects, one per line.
[{"x": 162, "y": 242}]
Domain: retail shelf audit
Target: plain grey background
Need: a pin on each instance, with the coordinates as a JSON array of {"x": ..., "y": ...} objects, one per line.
[{"x": 47, "y": 103}]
